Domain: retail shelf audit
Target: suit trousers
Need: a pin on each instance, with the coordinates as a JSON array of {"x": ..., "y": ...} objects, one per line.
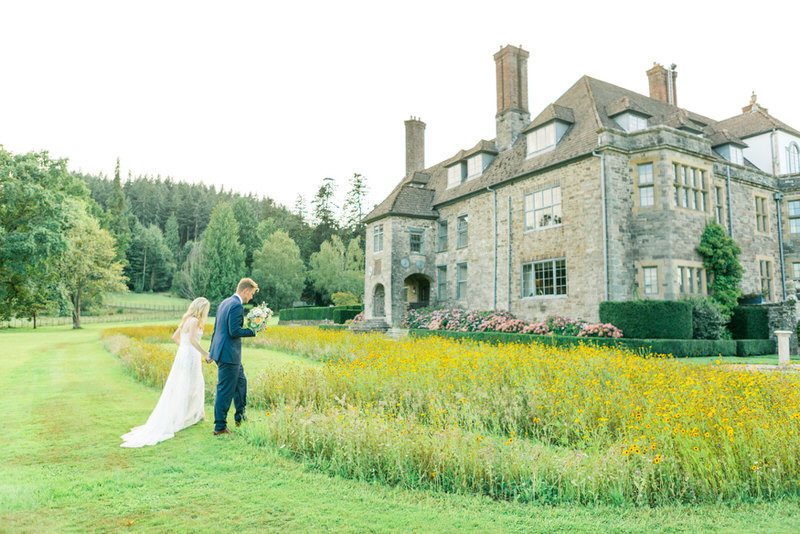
[{"x": 232, "y": 385}]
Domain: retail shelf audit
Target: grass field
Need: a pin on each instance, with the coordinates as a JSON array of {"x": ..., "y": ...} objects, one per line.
[
  {"x": 146, "y": 299},
  {"x": 67, "y": 401}
]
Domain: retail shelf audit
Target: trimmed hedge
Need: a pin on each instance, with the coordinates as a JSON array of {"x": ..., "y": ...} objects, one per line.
[
  {"x": 749, "y": 322},
  {"x": 342, "y": 316},
  {"x": 755, "y": 347},
  {"x": 649, "y": 319},
  {"x": 315, "y": 314},
  {"x": 333, "y": 327},
  {"x": 677, "y": 347}
]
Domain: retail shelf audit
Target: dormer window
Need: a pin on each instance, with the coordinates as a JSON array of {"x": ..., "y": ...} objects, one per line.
[
  {"x": 731, "y": 152},
  {"x": 630, "y": 121},
  {"x": 456, "y": 174},
  {"x": 736, "y": 155},
  {"x": 546, "y": 137},
  {"x": 477, "y": 164},
  {"x": 542, "y": 138}
]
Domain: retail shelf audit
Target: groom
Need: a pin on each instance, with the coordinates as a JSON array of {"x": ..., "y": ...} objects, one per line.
[{"x": 226, "y": 350}]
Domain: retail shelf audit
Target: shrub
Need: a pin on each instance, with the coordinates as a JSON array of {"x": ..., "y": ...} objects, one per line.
[
  {"x": 755, "y": 347},
  {"x": 344, "y": 299},
  {"x": 457, "y": 320},
  {"x": 708, "y": 319},
  {"x": 649, "y": 319},
  {"x": 721, "y": 259},
  {"x": 749, "y": 322},
  {"x": 341, "y": 316},
  {"x": 314, "y": 314}
]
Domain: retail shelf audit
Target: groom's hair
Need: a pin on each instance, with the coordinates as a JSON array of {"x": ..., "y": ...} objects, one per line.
[{"x": 246, "y": 283}]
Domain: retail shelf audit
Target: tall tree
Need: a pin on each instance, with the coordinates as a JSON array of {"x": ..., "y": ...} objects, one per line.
[
  {"x": 117, "y": 212},
  {"x": 38, "y": 202},
  {"x": 300, "y": 207},
  {"x": 223, "y": 254},
  {"x": 248, "y": 228},
  {"x": 336, "y": 268},
  {"x": 88, "y": 268},
  {"x": 192, "y": 281},
  {"x": 354, "y": 205},
  {"x": 324, "y": 207},
  {"x": 279, "y": 271},
  {"x": 151, "y": 262},
  {"x": 172, "y": 237}
]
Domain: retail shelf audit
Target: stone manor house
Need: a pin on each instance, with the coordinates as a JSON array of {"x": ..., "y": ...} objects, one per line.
[{"x": 604, "y": 195}]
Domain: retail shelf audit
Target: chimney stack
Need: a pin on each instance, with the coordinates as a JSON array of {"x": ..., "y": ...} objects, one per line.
[
  {"x": 415, "y": 145},
  {"x": 512, "y": 94},
  {"x": 662, "y": 83}
]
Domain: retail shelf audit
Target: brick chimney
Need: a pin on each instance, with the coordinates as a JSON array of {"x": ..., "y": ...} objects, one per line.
[
  {"x": 753, "y": 106},
  {"x": 512, "y": 94},
  {"x": 662, "y": 83},
  {"x": 415, "y": 145}
]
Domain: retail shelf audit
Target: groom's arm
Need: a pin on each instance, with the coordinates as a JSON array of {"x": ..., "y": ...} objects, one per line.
[{"x": 235, "y": 322}]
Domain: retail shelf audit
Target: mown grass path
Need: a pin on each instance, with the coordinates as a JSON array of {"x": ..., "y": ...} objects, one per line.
[{"x": 66, "y": 401}]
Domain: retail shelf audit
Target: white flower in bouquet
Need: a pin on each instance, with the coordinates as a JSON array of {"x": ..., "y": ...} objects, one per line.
[{"x": 258, "y": 318}]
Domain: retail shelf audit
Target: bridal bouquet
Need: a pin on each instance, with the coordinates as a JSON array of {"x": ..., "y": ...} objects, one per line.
[{"x": 258, "y": 318}]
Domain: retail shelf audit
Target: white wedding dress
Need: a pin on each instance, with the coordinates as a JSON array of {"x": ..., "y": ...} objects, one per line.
[{"x": 182, "y": 400}]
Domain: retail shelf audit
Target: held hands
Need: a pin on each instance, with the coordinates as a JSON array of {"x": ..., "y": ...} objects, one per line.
[{"x": 206, "y": 358}]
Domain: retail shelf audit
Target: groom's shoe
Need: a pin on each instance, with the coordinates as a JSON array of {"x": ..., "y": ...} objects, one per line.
[
  {"x": 240, "y": 421},
  {"x": 223, "y": 431}
]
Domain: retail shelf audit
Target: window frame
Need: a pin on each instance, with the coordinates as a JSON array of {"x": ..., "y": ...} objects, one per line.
[
  {"x": 531, "y": 267},
  {"x": 441, "y": 282},
  {"x": 649, "y": 185},
  {"x": 442, "y": 237},
  {"x": 762, "y": 217},
  {"x": 416, "y": 232},
  {"x": 655, "y": 286},
  {"x": 459, "y": 281},
  {"x": 690, "y": 187},
  {"x": 462, "y": 231},
  {"x": 533, "y": 139},
  {"x": 533, "y": 210},
  {"x": 791, "y": 217},
  {"x": 375, "y": 238}
]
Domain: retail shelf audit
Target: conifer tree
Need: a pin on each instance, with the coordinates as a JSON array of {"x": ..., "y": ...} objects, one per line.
[{"x": 223, "y": 254}]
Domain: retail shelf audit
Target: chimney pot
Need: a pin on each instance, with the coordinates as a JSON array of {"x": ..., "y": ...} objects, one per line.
[{"x": 415, "y": 145}]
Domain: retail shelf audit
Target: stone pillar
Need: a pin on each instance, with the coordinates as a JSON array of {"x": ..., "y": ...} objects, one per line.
[{"x": 783, "y": 346}]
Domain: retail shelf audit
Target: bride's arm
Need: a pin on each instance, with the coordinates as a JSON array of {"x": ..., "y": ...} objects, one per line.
[
  {"x": 176, "y": 337},
  {"x": 193, "y": 338}
]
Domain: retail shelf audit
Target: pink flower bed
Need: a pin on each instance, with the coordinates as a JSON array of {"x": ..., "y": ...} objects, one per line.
[{"x": 457, "y": 320}]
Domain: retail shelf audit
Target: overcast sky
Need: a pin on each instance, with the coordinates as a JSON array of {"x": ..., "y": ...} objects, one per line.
[{"x": 270, "y": 97}]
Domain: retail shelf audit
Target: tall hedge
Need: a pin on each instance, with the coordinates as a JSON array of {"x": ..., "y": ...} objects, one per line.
[
  {"x": 316, "y": 314},
  {"x": 649, "y": 319},
  {"x": 749, "y": 322}
]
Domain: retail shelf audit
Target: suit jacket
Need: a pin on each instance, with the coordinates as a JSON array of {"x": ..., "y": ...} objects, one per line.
[{"x": 226, "y": 341}]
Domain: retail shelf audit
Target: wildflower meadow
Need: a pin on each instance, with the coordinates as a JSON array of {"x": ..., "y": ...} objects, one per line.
[{"x": 518, "y": 422}]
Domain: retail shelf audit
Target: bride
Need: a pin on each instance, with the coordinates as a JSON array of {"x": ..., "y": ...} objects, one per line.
[{"x": 183, "y": 397}]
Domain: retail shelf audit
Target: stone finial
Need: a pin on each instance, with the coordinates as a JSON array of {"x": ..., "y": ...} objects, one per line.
[{"x": 753, "y": 106}]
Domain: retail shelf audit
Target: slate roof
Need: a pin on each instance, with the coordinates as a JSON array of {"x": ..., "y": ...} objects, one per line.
[
  {"x": 754, "y": 123},
  {"x": 588, "y": 105}
]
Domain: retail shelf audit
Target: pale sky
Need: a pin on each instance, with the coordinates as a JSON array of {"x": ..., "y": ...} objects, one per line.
[{"x": 271, "y": 97}]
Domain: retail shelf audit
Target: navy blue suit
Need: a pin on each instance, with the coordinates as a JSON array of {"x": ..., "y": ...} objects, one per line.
[{"x": 226, "y": 350}]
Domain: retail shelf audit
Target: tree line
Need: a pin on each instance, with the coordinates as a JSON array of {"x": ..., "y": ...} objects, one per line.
[{"x": 164, "y": 235}]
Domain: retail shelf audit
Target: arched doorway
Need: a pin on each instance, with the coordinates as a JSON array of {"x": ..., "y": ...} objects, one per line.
[
  {"x": 379, "y": 301},
  {"x": 417, "y": 291}
]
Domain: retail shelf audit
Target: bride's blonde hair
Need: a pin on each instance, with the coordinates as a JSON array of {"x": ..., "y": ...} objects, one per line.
[{"x": 199, "y": 309}]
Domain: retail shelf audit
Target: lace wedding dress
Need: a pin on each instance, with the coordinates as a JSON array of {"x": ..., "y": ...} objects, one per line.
[{"x": 182, "y": 399}]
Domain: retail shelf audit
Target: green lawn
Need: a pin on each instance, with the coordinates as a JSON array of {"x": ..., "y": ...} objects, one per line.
[
  {"x": 770, "y": 359},
  {"x": 146, "y": 299},
  {"x": 67, "y": 400}
]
